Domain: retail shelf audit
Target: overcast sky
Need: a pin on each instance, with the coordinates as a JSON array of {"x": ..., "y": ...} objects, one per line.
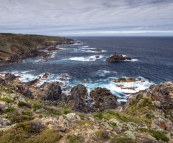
[{"x": 87, "y": 17}]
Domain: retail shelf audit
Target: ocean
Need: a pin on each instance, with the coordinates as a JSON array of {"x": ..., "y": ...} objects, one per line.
[{"x": 152, "y": 61}]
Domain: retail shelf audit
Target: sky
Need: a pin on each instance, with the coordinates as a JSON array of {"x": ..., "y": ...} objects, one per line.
[{"x": 87, "y": 17}]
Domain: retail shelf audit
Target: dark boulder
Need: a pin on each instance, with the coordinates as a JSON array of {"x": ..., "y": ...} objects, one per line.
[
  {"x": 117, "y": 58},
  {"x": 79, "y": 92},
  {"x": 51, "y": 91},
  {"x": 2, "y": 81},
  {"x": 77, "y": 98},
  {"x": 103, "y": 99},
  {"x": 10, "y": 77},
  {"x": 23, "y": 89}
]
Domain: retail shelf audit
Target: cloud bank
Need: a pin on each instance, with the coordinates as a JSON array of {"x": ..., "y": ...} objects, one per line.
[{"x": 87, "y": 17}]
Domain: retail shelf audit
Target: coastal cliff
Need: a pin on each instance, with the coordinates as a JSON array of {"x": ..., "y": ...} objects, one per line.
[{"x": 17, "y": 47}]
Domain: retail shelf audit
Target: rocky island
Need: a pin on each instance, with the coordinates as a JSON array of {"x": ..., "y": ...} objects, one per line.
[
  {"x": 117, "y": 58},
  {"x": 29, "y": 113}
]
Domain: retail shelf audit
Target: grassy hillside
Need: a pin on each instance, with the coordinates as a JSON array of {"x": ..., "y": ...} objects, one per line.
[{"x": 11, "y": 44}]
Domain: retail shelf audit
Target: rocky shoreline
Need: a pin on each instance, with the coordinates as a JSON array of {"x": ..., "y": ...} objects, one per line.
[
  {"x": 16, "y": 47},
  {"x": 146, "y": 117},
  {"x": 45, "y": 113}
]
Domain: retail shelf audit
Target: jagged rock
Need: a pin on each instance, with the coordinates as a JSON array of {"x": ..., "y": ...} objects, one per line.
[
  {"x": 2, "y": 81},
  {"x": 51, "y": 91},
  {"x": 10, "y": 77},
  {"x": 127, "y": 79},
  {"x": 164, "y": 94},
  {"x": 45, "y": 75},
  {"x": 103, "y": 99},
  {"x": 117, "y": 58},
  {"x": 33, "y": 82},
  {"x": 79, "y": 92},
  {"x": 25, "y": 91},
  {"x": 2, "y": 107}
]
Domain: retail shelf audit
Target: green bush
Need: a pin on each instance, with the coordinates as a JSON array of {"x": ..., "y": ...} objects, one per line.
[
  {"x": 159, "y": 136},
  {"x": 20, "y": 118},
  {"x": 10, "y": 110},
  {"x": 5, "y": 99},
  {"x": 98, "y": 115},
  {"x": 37, "y": 106},
  {"x": 21, "y": 104},
  {"x": 111, "y": 112},
  {"x": 66, "y": 111},
  {"x": 55, "y": 112}
]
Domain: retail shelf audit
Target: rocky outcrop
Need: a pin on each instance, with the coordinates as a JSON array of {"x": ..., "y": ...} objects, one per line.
[
  {"x": 10, "y": 77},
  {"x": 103, "y": 99},
  {"x": 23, "y": 89},
  {"x": 163, "y": 93},
  {"x": 16, "y": 47},
  {"x": 78, "y": 94},
  {"x": 51, "y": 91},
  {"x": 127, "y": 79},
  {"x": 79, "y": 91},
  {"x": 117, "y": 58}
]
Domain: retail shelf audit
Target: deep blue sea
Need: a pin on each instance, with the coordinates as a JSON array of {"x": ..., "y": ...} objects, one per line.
[{"x": 152, "y": 60}]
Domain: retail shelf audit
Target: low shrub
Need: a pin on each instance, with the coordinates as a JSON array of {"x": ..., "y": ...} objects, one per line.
[
  {"x": 159, "y": 136},
  {"x": 37, "y": 106},
  {"x": 10, "y": 110},
  {"x": 66, "y": 111},
  {"x": 74, "y": 139},
  {"x": 98, "y": 116},
  {"x": 122, "y": 140}
]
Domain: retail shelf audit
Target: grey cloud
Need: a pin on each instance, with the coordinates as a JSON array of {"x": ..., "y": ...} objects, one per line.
[{"x": 57, "y": 16}]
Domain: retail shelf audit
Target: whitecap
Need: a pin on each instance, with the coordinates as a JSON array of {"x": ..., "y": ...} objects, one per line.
[
  {"x": 132, "y": 60},
  {"x": 105, "y": 72},
  {"x": 90, "y": 58}
]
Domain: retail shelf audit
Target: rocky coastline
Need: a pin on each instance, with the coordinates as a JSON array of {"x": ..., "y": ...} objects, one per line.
[
  {"x": 45, "y": 113},
  {"x": 17, "y": 47},
  {"x": 146, "y": 117}
]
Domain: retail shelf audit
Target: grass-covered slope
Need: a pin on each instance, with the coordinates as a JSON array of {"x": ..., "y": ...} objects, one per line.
[{"x": 19, "y": 44}]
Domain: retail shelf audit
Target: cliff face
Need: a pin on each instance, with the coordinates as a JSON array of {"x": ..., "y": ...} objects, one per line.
[{"x": 15, "y": 47}]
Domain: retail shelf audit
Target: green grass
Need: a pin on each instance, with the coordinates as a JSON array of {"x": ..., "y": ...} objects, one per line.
[
  {"x": 99, "y": 116},
  {"x": 55, "y": 111},
  {"x": 5, "y": 99},
  {"x": 21, "y": 104},
  {"x": 74, "y": 139},
  {"x": 37, "y": 106},
  {"x": 10, "y": 110},
  {"x": 159, "y": 136},
  {"x": 66, "y": 111}
]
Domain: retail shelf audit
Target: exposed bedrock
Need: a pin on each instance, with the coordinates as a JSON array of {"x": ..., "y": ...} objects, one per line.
[{"x": 117, "y": 58}]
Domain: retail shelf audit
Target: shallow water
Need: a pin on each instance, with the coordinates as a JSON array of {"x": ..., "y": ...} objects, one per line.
[{"x": 152, "y": 60}]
